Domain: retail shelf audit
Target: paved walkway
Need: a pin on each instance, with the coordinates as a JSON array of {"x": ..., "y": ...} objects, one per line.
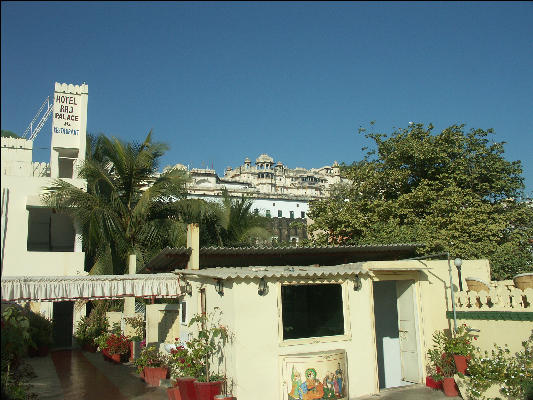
[{"x": 76, "y": 374}]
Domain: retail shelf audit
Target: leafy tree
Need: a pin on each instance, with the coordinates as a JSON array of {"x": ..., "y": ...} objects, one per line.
[
  {"x": 453, "y": 191},
  {"x": 127, "y": 208},
  {"x": 6, "y": 133}
]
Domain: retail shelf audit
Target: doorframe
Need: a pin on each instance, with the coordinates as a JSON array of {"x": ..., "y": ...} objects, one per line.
[{"x": 390, "y": 275}]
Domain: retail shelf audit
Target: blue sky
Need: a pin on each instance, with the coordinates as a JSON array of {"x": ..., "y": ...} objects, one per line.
[{"x": 220, "y": 82}]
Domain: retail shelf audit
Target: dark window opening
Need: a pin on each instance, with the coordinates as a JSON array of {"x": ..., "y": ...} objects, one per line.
[
  {"x": 268, "y": 213},
  {"x": 312, "y": 310},
  {"x": 280, "y": 213},
  {"x": 303, "y": 214},
  {"x": 49, "y": 231},
  {"x": 291, "y": 214}
]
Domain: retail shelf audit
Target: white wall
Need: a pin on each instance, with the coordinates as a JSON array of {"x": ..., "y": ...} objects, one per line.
[{"x": 264, "y": 204}]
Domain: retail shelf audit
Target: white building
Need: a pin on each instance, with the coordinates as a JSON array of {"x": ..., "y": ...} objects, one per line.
[
  {"x": 37, "y": 241},
  {"x": 276, "y": 191}
]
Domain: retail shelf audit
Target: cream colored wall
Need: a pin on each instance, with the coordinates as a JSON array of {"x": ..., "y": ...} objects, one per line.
[
  {"x": 162, "y": 323},
  {"x": 253, "y": 359},
  {"x": 17, "y": 260}
]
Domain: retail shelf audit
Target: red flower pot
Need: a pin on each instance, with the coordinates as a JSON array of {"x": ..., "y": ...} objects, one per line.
[
  {"x": 186, "y": 386},
  {"x": 461, "y": 363},
  {"x": 142, "y": 375},
  {"x": 174, "y": 393},
  {"x": 207, "y": 390},
  {"x": 449, "y": 387},
  {"x": 432, "y": 383},
  {"x": 152, "y": 375}
]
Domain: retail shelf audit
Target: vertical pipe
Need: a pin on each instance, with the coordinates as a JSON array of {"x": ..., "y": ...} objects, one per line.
[{"x": 452, "y": 294}]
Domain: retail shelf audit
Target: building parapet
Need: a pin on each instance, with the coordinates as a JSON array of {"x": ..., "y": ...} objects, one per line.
[{"x": 501, "y": 296}]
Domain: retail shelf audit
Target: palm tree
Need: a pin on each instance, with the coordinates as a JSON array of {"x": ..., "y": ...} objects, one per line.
[
  {"x": 127, "y": 208},
  {"x": 239, "y": 225}
]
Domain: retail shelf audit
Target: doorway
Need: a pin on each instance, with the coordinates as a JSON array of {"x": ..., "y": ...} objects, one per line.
[
  {"x": 63, "y": 315},
  {"x": 396, "y": 333}
]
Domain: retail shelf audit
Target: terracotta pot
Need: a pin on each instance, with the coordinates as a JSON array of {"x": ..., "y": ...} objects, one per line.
[
  {"x": 461, "y": 363},
  {"x": 449, "y": 387},
  {"x": 432, "y": 383},
  {"x": 131, "y": 351},
  {"x": 186, "y": 386},
  {"x": 142, "y": 375},
  {"x": 152, "y": 375},
  {"x": 207, "y": 390},
  {"x": 174, "y": 393},
  {"x": 524, "y": 281}
]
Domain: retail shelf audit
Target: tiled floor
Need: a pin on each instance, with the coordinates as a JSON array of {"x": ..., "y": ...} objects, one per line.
[
  {"x": 73, "y": 374},
  {"x": 76, "y": 375}
]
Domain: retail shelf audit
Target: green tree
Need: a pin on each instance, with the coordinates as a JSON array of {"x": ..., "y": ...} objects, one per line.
[
  {"x": 127, "y": 208},
  {"x": 453, "y": 191},
  {"x": 6, "y": 133}
]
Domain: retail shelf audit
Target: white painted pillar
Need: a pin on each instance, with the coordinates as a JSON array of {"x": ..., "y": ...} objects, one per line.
[
  {"x": 129, "y": 302},
  {"x": 78, "y": 237},
  {"x": 193, "y": 242}
]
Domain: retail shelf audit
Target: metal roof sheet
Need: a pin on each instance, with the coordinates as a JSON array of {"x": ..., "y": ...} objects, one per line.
[{"x": 276, "y": 271}]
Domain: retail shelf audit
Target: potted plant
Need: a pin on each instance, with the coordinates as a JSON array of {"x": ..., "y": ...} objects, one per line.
[
  {"x": 460, "y": 347},
  {"x": 137, "y": 323},
  {"x": 152, "y": 365},
  {"x": 40, "y": 333},
  {"x": 117, "y": 347},
  {"x": 91, "y": 327},
  {"x": 443, "y": 370},
  {"x": 208, "y": 343}
]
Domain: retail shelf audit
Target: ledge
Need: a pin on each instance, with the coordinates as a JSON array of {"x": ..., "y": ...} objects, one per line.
[{"x": 492, "y": 315}]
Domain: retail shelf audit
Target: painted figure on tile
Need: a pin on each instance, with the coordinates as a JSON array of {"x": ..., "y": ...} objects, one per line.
[
  {"x": 312, "y": 388},
  {"x": 339, "y": 382},
  {"x": 296, "y": 389},
  {"x": 329, "y": 387}
]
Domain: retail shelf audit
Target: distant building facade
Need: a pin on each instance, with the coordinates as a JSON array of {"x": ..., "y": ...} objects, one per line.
[{"x": 277, "y": 191}]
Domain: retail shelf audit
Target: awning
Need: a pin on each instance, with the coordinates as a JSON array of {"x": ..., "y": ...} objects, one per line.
[
  {"x": 71, "y": 288},
  {"x": 277, "y": 272}
]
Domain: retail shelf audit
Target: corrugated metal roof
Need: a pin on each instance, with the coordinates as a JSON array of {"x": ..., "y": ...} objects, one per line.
[
  {"x": 276, "y": 271},
  {"x": 172, "y": 258}
]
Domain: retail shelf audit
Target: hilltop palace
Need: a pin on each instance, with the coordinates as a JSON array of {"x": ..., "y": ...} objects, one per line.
[{"x": 276, "y": 190}]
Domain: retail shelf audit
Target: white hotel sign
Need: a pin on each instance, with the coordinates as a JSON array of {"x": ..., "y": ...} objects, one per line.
[{"x": 67, "y": 114}]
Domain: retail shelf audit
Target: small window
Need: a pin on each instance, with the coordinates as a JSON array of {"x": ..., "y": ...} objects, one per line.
[
  {"x": 274, "y": 204},
  {"x": 297, "y": 205},
  {"x": 268, "y": 213},
  {"x": 280, "y": 213},
  {"x": 305, "y": 313},
  {"x": 291, "y": 213},
  {"x": 303, "y": 214},
  {"x": 183, "y": 312},
  {"x": 256, "y": 211}
]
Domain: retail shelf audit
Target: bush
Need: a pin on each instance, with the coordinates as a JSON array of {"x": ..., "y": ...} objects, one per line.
[
  {"x": 514, "y": 373},
  {"x": 15, "y": 338},
  {"x": 137, "y": 323},
  {"x": 91, "y": 327},
  {"x": 151, "y": 357},
  {"x": 117, "y": 344},
  {"x": 40, "y": 330}
]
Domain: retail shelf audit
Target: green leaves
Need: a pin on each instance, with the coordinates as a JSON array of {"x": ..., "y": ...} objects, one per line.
[
  {"x": 127, "y": 208},
  {"x": 453, "y": 191}
]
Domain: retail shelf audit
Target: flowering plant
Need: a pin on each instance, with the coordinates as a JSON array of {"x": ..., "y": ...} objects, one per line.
[
  {"x": 194, "y": 358},
  {"x": 460, "y": 343},
  {"x": 514, "y": 374},
  {"x": 117, "y": 344},
  {"x": 151, "y": 357}
]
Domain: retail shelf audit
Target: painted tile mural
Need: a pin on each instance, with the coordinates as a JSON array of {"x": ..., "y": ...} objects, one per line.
[{"x": 315, "y": 376}]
